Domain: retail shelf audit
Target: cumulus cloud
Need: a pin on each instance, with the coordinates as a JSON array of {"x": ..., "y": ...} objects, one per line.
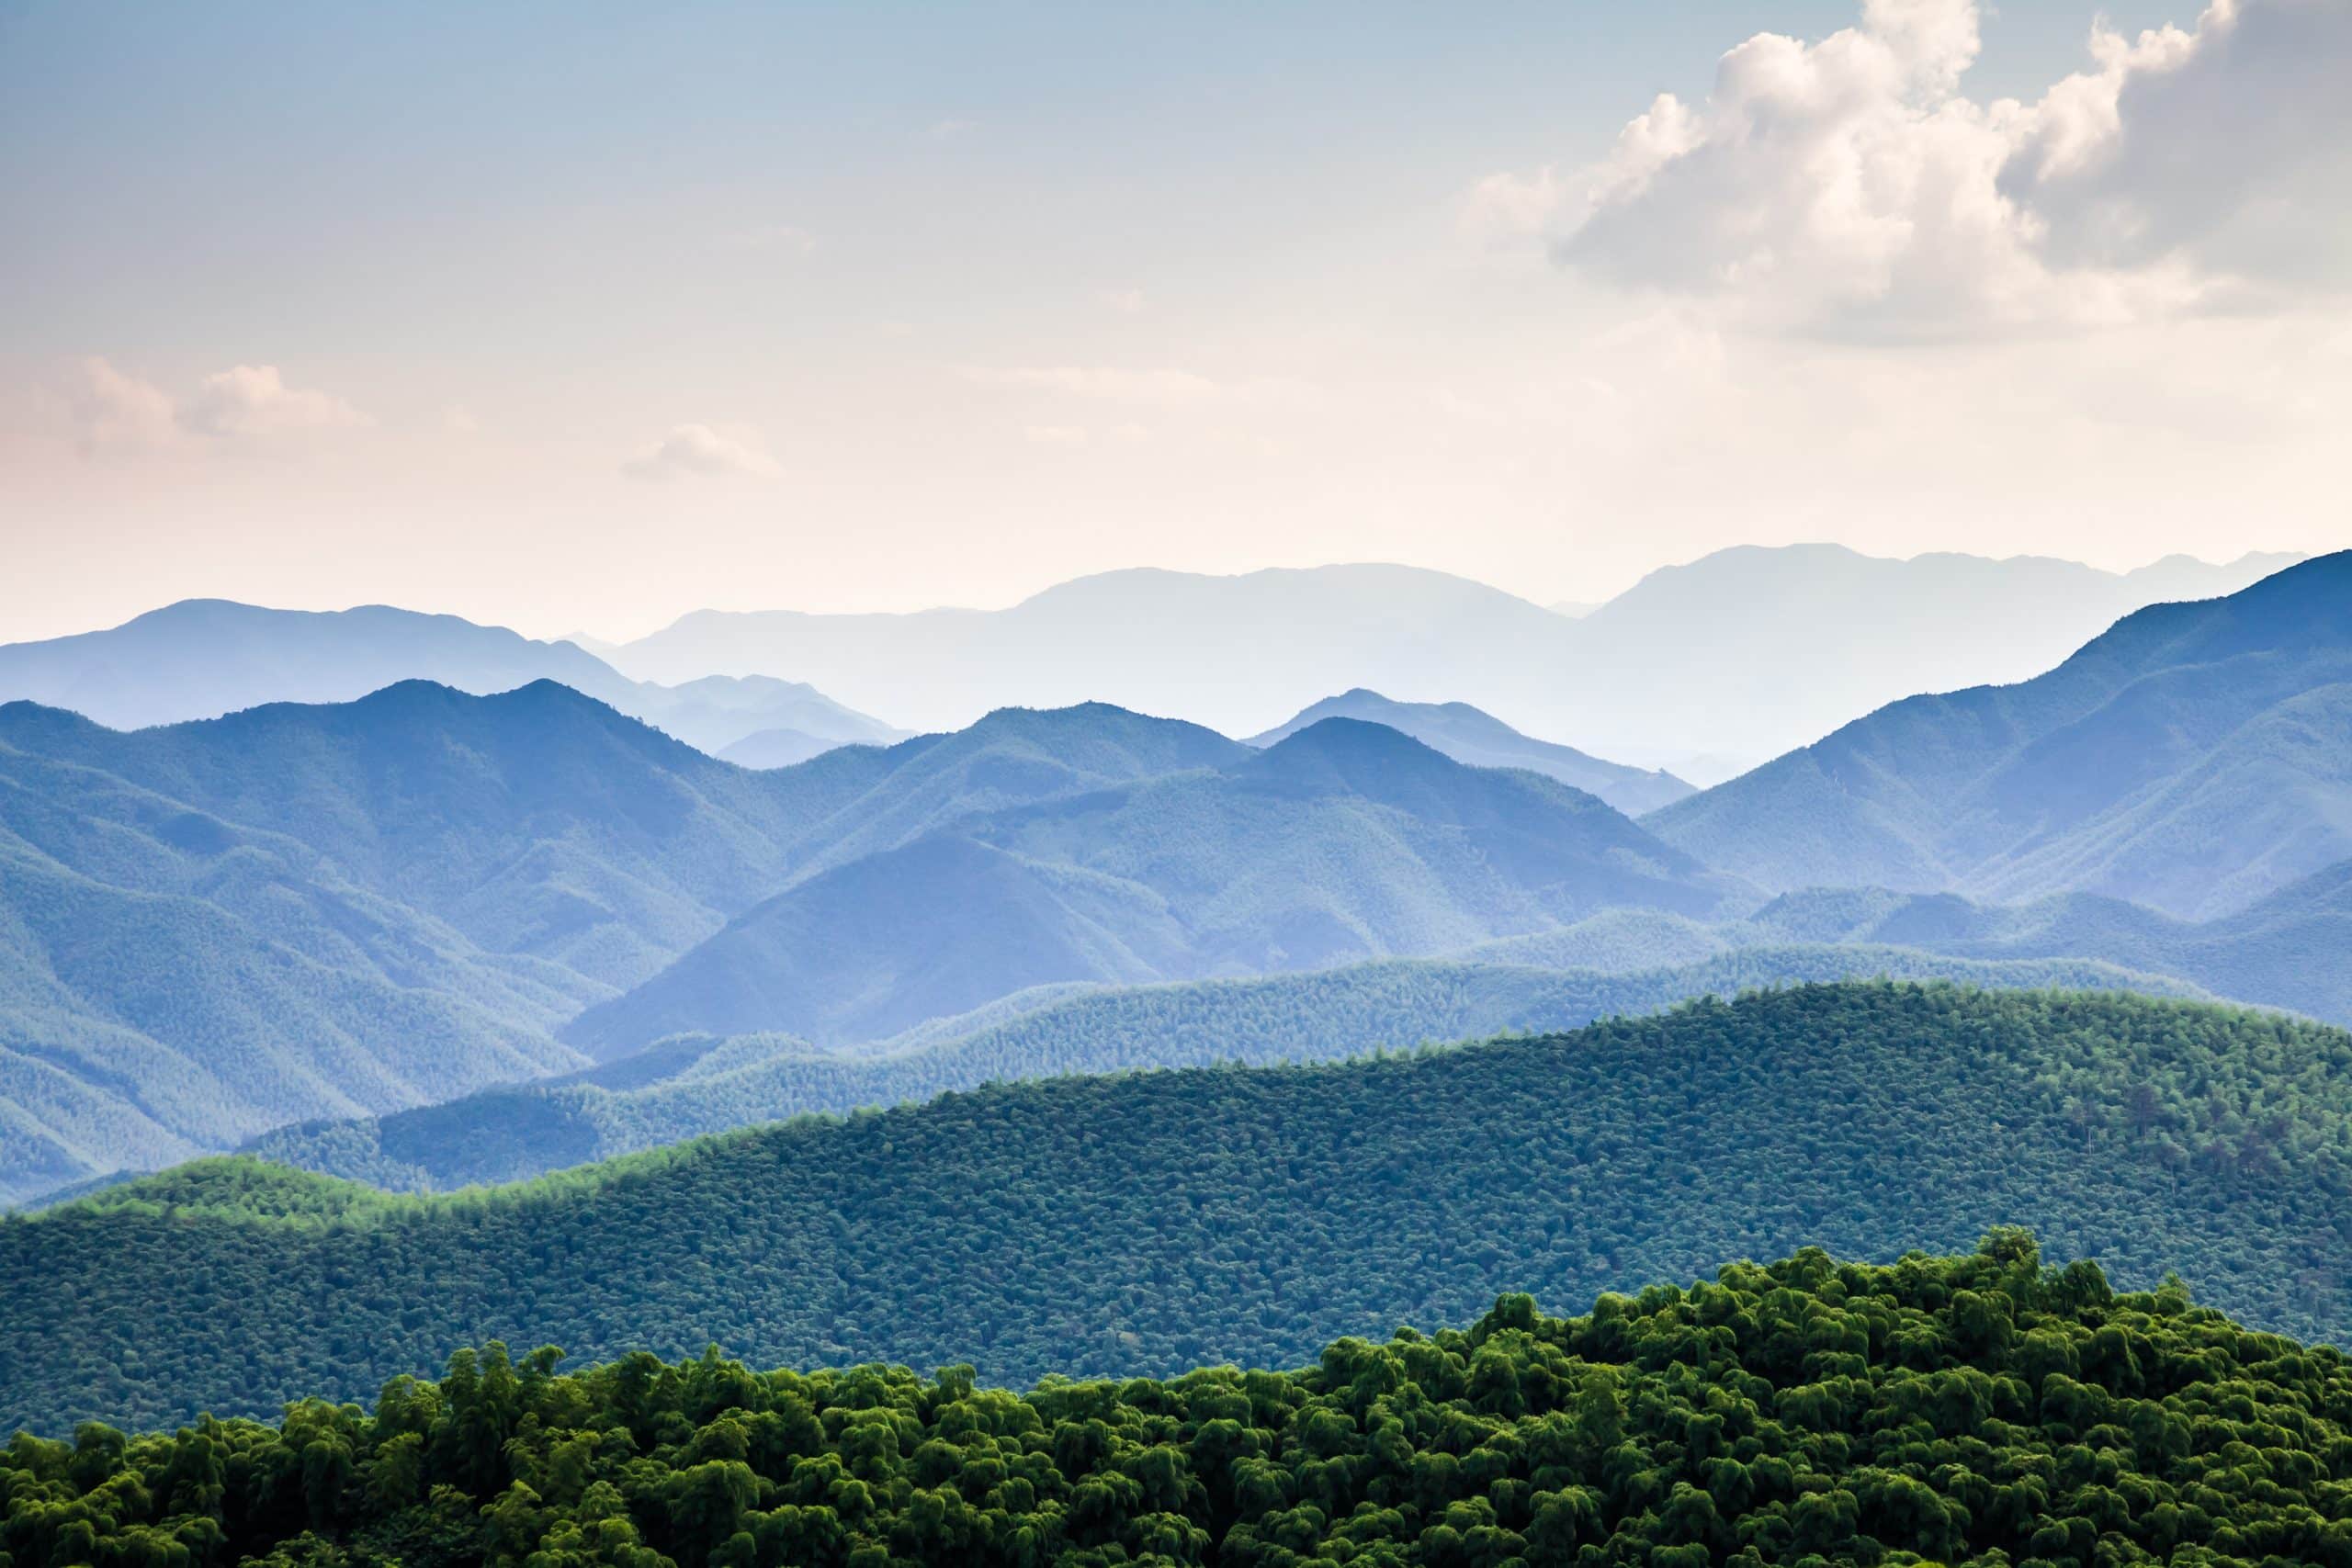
[
  {"x": 1850, "y": 184},
  {"x": 698, "y": 451},
  {"x": 113, "y": 410}
]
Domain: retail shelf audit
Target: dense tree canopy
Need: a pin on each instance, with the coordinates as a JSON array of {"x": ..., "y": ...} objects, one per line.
[
  {"x": 1984, "y": 1409},
  {"x": 1150, "y": 1222}
]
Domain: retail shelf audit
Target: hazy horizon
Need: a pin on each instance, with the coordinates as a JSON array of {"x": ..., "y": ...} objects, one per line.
[
  {"x": 569, "y": 317},
  {"x": 595, "y": 637}
]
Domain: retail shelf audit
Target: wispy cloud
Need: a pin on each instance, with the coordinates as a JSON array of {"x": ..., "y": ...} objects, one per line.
[
  {"x": 253, "y": 400},
  {"x": 112, "y": 410}
]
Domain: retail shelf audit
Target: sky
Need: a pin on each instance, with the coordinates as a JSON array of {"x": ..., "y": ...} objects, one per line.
[{"x": 577, "y": 317}]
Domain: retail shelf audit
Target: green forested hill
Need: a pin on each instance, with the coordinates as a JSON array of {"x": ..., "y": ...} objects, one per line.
[
  {"x": 1985, "y": 1409},
  {"x": 691, "y": 1085},
  {"x": 1153, "y": 1222}
]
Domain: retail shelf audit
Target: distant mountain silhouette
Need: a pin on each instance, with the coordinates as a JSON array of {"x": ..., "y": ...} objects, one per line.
[
  {"x": 2195, "y": 757},
  {"x": 1482, "y": 740},
  {"x": 204, "y": 657},
  {"x": 1724, "y": 662},
  {"x": 1345, "y": 840}
]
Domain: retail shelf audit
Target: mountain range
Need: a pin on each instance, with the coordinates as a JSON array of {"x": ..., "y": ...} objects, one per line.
[
  {"x": 372, "y": 907},
  {"x": 1705, "y": 669},
  {"x": 1345, "y": 840},
  {"x": 204, "y": 657},
  {"x": 391, "y": 902},
  {"x": 2194, "y": 757}
]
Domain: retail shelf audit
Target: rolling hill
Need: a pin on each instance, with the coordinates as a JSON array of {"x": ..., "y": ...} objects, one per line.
[
  {"x": 1147, "y": 1223},
  {"x": 204, "y": 658},
  {"x": 1482, "y": 740},
  {"x": 1985, "y": 1408},
  {"x": 2195, "y": 757},
  {"x": 690, "y": 1085},
  {"x": 1346, "y": 840}
]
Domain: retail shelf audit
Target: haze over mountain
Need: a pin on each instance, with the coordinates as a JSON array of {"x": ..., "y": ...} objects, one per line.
[
  {"x": 1703, "y": 668},
  {"x": 1482, "y": 740},
  {"x": 204, "y": 657},
  {"x": 2195, "y": 757}
]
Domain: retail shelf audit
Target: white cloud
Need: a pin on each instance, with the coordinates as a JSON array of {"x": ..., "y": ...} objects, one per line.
[
  {"x": 2229, "y": 149},
  {"x": 692, "y": 451},
  {"x": 1849, "y": 185},
  {"x": 1125, "y": 301},
  {"x": 253, "y": 400},
  {"x": 113, "y": 410}
]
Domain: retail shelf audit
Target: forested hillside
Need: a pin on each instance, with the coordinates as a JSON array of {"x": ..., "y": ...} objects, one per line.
[
  {"x": 1348, "y": 840},
  {"x": 690, "y": 1085},
  {"x": 1988, "y": 1408},
  {"x": 2195, "y": 758},
  {"x": 1148, "y": 1223}
]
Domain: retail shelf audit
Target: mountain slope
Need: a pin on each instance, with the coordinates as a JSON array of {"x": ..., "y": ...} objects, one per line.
[
  {"x": 537, "y": 822},
  {"x": 204, "y": 658},
  {"x": 691, "y": 1086},
  {"x": 1150, "y": 1222},
  {"x": 1482, "y": 740},
  {"x": 2192, "y": 757},
  {"x": 1347, "y": 841},
  {"x": 138, "y": 1028}
]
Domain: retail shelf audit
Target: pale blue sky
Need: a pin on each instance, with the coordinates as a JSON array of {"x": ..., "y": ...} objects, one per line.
[{"x": 590, "y": 315}]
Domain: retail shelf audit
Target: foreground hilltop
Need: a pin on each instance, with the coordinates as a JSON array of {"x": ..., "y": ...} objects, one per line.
[
  {"x": 1986, "y": 1409},
  {"x": 1147, "y": 1223}
]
